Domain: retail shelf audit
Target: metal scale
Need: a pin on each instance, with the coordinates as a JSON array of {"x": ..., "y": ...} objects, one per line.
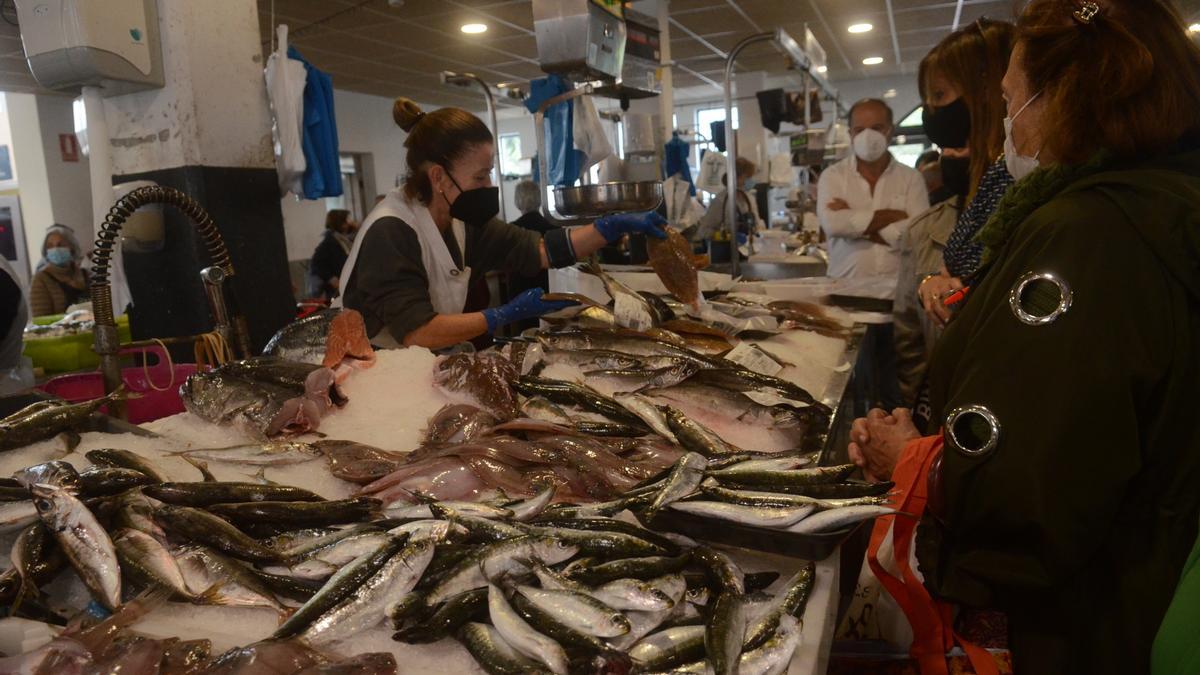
[{"x": 584, "y": 42}]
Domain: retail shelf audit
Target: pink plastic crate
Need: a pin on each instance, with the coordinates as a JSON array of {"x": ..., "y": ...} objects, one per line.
[{"x": 150, "y": 404}]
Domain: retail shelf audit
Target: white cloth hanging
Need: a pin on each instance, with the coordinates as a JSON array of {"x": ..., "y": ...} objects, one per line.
[
  {"x": 780, "y": 172},
  {"x": 683, "y": 210},
  {"x": 448, "y": 285},
  {"x": 285, "y": 89},
  {"x": 590, "y": 138},
  {"x": 712, "y": 170}
]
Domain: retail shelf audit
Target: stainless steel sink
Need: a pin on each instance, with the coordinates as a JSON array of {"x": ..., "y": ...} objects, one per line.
[{"x": 771, "y": 271}]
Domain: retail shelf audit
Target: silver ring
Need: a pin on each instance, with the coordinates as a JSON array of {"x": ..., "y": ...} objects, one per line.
[
  {"x": 1064, "y": 300},
  {"x": 957, "y": 443}
]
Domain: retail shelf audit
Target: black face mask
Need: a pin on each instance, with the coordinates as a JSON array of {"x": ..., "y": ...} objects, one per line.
[
  {"x": 956, "y": 174},
  {"x": 949, "y": 126},
  {"x": 474, "y": 207}
]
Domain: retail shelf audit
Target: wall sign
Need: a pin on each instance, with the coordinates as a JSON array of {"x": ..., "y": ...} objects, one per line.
[{"x": 69, "y": 145}]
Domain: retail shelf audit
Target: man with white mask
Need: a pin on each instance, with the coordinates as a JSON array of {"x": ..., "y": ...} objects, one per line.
[{"x": 864, "y": 203}]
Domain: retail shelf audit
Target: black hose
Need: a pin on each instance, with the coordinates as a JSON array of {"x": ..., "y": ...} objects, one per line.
[{"x": 110, "y": 231}]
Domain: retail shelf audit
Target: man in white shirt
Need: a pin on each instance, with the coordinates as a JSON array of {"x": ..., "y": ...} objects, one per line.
[{"x": 865, "y": 203}]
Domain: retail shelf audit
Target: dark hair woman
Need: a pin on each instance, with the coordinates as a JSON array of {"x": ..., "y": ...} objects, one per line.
[
  {"x": 1064, "y": 491},
  {"x": 959, "y": 81},
  {"x": 423, "y": 245},
  {"x": 330, "y": 255},
  {"x": 964, "y": 114}
]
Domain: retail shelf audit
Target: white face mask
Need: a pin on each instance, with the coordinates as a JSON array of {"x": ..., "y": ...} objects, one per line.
[
  {"x": 870, "y": 145},
  {"x": 1019, "y": 166}
]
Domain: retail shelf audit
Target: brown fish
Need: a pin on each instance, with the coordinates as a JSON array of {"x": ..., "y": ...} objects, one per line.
[
  {"x": 358, "y": 463},
  {"x": 487, "y": 377},
  {"x": 674, "y": 264}
]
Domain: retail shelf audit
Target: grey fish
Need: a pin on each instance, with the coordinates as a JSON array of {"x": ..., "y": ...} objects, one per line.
[
  {"x": 208, "y": 493},
  {"x": 668, "y": 648},
  {"x": 522, "y": 636},
  {"x": 258, "y": 454},
  {"x": 646, "y": 568},
  {"x": 629, "y": 307},
  {"x": 763, "y": 464},
  {"x": 774, "y": 657},
  {"x": 592, "y": 542},
  {"x": 721, "y": 569},
  {"x": 338, "y": 588},
  {"x": 683, "y": 480},
  {"x": 216, "y": 580},
  {"x": 106, "y": 481},
  {"x": 325, "y": 338},
  {"x": 578, "y": 610},
  {"x": 449, "y": 616},
  {"x": 42, "y": 421},
  {"x": 493, "y": 653},
  {"x": 365, "y": 607},
  {"x": 143, "y": 557},
  {"x": 622, "y": 594},
  {"x": 648, "y": 412},
  {"x": 16, "y": 516},
  {"x": 299, "y": 514},
  {"x": 697, "y": 437},
  {"x": 793, "y": 478},
  {"x": 644, "y": 623},
  {"x": 57, "y": 473},
  {"x": 777, "y": 517},
  {"x": 724, "y": 631},
  {"x": 205, "y": 528},
  {"x": 529, "y": 509},
  {"x": 791, "y": 602},
  {"x": 85, "y": 542},
  {"x": 500, "y": 558},
  {"x": 570, "y": 393},
  {"x": 124, "y": 459},
  {"x": 836, "y": 519},
  {"x": 760, "y": 498},
  {"x": 649, "y": 351}
]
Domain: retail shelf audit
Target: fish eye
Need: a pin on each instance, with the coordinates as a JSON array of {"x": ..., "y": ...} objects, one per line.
[{"x": 42, "y": 505}]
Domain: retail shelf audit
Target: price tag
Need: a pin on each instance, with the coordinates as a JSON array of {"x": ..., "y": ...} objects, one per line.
[
  {"x": 753, "y": 358},
  {"x": 630, "y": 313},
  {"x": 768, "y": 399}
]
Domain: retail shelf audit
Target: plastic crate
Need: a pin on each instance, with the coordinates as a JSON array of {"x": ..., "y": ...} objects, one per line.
[
  {"x": 150, "y": 404},
  {"x": 68, "y": 353}
]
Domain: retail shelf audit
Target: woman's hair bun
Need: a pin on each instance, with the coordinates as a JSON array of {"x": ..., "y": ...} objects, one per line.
[{"x": 406, "y": 113}]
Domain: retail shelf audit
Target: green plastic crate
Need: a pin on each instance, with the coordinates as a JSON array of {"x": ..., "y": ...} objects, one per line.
[{"x": 68, "y": 353}]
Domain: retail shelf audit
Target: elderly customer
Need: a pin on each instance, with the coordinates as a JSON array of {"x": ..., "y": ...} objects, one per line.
[
  {"x": 60, "y": 281},
  {"x": 1064, "y": 489},
  {"x": 528, "y": 196}
]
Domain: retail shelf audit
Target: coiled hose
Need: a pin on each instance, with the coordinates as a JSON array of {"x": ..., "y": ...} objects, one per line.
[{"x": 110, "y": 231}]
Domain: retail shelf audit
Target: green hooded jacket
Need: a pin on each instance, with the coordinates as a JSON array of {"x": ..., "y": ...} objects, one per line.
[{"x": 1080, "y": 520}]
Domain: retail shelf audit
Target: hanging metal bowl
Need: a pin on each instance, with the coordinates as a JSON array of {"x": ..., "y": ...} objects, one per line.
[{"x": 593, "y": 201}]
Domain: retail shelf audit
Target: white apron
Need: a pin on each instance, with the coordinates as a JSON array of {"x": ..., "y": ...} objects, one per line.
[
  {"x": 16, "y": 372},
  {"x": 448, "y": 285}
]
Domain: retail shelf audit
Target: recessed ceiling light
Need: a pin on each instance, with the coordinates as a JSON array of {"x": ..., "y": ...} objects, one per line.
[
  {"x": 822, "y": 69},
  {"x": 890, "y": 93},
  {"x": 1194, "y": 28},
  {"x": 861, "y": 28},
  {"x": 473, "y": 28},
  {"x": 872, "y": 60}
]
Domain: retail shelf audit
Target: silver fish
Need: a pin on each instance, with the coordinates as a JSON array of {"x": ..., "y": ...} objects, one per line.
[
  {"x": 258, "y": 454},
  {"x": 629, "y": 307},
  {"x": 836, "y": 519},
  {"x": 578, "y": 610},
  {"x": 530, "y": 508},
  {"x": 16, "y": 516},
  {"x": 522, "y": 636},
  {"x": 668, "y": 648},
  {"x": 221, "y": 581},
  {"x": 683, "y": 480},
  {"x": 773, "y": 657},
  {"x": 724, "y": 631},
  {"x": 496, "y": 559},
  {"x": 366, "y": 607},
  {"x": 144, "y": 556},
  {"x": 648, "y": 412},
  {"x": 755, "y": 516},
  {"x": 85, "y": 542},
  {"x": 488, "y": 647}
]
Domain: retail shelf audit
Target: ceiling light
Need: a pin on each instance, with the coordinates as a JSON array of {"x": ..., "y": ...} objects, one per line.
[
  {"x": 861, "y": 28},
  {"x": 473, "y": 28},
  {"x": 822, "y": 69},
  {"x": 872, "y": 60},
  {"x": 1194, "y": 28},
  {"x": 890, "y": 93}
]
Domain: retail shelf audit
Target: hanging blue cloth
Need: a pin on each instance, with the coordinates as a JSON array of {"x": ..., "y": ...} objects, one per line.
[
  {"x": 677, "y": 153},
  {"x": 563, "y": 161},
  {"x": 323, "y": 175}
]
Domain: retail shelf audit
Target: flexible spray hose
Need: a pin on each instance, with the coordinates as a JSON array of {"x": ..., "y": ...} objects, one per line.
[
  {"x": 107, "y": 343},
  {"x": 110, "y": 231}
]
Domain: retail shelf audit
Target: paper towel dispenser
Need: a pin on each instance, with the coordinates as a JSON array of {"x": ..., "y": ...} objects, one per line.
[{"x": 112, "y": 44}]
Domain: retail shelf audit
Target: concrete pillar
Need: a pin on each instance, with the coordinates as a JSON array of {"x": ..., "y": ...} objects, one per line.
[
  {"x": 29, "y": 166},
  {"x": 208, "y": 134}
]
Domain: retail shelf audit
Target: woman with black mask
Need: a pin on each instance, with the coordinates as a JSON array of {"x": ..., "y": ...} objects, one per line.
[
  {"x": 964, "y": 114},
  {"x": 959, "y": 81},
  {"x": 423, "y": 246}
]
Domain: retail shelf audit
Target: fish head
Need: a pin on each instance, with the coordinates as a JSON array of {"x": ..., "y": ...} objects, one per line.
[
  {"x": 53, "y": 503},
  {"x": 56, "y": 473},
  {"x": 552, "y": 551}
]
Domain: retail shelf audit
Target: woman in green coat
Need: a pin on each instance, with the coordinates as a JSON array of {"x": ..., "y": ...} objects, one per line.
[{"x": 1067, "y": 386}]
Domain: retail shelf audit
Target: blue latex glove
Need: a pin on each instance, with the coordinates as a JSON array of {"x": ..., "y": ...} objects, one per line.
[
  {"x": 612, "y": 228},
  {"x": 528, "y": 305}
]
